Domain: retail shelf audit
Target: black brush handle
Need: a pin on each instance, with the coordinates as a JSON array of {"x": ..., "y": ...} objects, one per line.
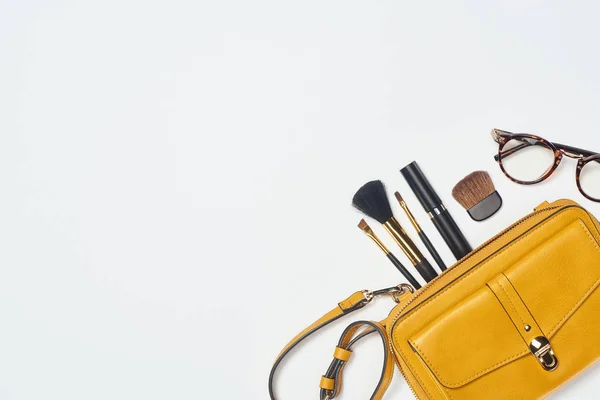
[
  {"x": 432, "y": 251},
  {"x": 404, "y": 271},
  {"x": 451, "y": 234},
  {"x": 426, "y": 270}
]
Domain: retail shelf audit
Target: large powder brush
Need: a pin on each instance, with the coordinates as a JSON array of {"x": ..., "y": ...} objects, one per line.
[
  {"x": 476, "y": 193},
  {"x": 371, "y": 199}
]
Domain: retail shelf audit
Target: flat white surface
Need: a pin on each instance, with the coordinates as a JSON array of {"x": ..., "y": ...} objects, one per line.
[{"x": 177, "y": 175}]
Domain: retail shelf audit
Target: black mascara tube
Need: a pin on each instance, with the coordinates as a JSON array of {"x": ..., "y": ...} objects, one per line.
[{"x": 432, "y": 204}]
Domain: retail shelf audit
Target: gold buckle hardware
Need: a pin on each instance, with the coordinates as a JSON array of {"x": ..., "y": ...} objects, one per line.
[
  {"x": 542, "y": 350},
  {"x": 394, "y": 291}
]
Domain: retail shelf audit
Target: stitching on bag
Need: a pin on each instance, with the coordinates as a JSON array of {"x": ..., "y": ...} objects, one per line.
[
  {"x": 591, "y": 289},
  {"x": 423, "y": 386},
  {"x": 524, "y": 352},
  {"x": 419, "y": 380},
  {"x": 513, "y": 357},
  {"x": 453, "y": 284},
  {"x": 445, "y": 389},
  {"x": 529, "y": 314},
  {"x": 510, "y": 301}
]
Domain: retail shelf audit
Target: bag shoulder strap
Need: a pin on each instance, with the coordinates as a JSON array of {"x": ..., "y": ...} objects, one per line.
[{"x": 331, "y": 382}]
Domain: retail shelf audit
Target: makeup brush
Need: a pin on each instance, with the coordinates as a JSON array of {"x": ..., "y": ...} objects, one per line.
[
  {"x": 371, "y": 199},
  {"x": 422, "y": 234},
  {"x": 476, "y": 193},
  {"x": 369, "y": 232}
]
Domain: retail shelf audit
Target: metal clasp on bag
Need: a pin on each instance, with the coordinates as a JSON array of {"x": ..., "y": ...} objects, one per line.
[
  {"x": 394, "y": 291},
  {"x": 541, "y": 349}
]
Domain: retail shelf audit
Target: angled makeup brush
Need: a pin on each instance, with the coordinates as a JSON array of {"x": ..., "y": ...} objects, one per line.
[
  {"x": 422, "y": 234},
  {"x": 369, "y": 232},
  {"x": 476, "y": 193},
  {"x": 372, "y": 200}
]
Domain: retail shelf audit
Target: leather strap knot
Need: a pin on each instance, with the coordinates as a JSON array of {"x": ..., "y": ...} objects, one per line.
[
  {"x": 331, "y": 382},
  {"x": 356, "y": 301}
]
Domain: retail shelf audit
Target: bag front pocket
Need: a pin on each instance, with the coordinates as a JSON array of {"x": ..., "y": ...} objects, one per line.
[{"x": 525, "y": 332}]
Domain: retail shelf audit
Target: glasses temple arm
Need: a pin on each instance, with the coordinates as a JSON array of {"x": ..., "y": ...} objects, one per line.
[{"x": 574, "y": 150}]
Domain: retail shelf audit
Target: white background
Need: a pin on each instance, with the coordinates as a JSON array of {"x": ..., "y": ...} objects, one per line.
[{"x": 176, "y": 176}]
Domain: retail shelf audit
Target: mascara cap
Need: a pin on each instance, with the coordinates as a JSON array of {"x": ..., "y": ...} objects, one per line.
[{"x": 421, "y": 186}]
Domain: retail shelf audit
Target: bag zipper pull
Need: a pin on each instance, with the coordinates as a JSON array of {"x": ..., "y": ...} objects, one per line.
[{"x": 541, "y": 206}]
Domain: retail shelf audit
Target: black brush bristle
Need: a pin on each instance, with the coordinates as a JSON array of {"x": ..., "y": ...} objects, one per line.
[{"x": 372, "y": 200}]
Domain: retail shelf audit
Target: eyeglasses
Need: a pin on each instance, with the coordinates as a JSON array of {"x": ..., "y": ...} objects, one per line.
[{"x": 529, "y": 159}]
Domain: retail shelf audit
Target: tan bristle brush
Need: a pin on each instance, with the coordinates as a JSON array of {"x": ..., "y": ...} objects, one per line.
[{"x": 476, "y": 193}]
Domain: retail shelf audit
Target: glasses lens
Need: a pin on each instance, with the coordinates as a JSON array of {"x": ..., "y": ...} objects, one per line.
[
  {"x": 526, "y": 159},
  {"x": 589, "y": 179}
]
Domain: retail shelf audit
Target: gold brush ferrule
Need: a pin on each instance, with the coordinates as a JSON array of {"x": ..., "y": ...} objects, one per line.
[
  {"x": 406, "y": 244},
  {"x": 411, "y": 217},
  {"x": 369, "y": 232}
]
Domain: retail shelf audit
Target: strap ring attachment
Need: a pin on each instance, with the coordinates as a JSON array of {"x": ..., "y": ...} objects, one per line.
[{"x": 394, "y": 291}]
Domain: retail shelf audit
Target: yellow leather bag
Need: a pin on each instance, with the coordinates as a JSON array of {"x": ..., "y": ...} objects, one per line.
[{"x": 514, "y": 319}]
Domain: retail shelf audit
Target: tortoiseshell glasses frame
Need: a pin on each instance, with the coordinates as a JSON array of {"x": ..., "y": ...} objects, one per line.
[{"x": 582, "y": 156}]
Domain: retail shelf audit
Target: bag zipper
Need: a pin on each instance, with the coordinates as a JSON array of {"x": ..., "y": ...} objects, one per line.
[{"x": 429, "y": 284}]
